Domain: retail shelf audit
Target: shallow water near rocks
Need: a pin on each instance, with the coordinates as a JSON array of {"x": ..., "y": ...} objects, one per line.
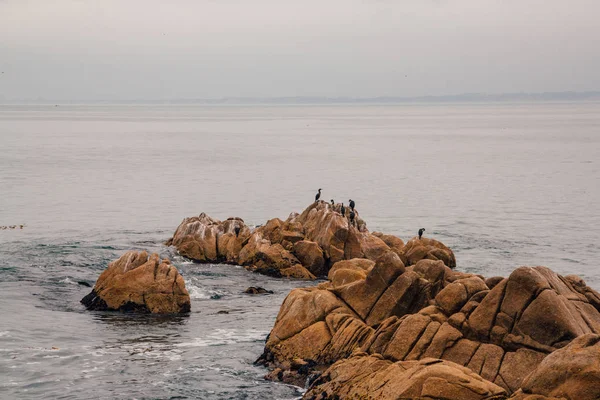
[{"x": 503, "y": 185}]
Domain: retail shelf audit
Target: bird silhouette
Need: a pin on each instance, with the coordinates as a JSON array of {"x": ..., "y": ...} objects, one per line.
[
  {"x": 318, "y": 196},
  {"x": 421, "y": 232},
  {"x": 351, "y": 204}
]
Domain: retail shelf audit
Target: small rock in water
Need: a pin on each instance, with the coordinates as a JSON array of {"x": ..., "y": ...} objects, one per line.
[
  {"x": 84, "y": 283},
  {"x": 223, "y": 312},
  {"x": 257, "y": 290}
]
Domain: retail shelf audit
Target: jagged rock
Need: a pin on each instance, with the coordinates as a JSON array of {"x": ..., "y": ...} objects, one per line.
[
  {"x": 348, "y": 271},
  {"x": 297, "y": 271},
  {"x": 394, "y": 243},
  {"x": 535, "y": 308},
  {"x": 304, "y": 246},
  {"x": 205, "y": 239},
  {"x": 572, "y": 373},
  {"x": 310, "y": 256},
  {"x": 428, "y": 310},
  {"x": 362, "y": 295},
  {"x": 519, "y": 395},
  {"x": 371, "y": 377},
  {"x": 141, "y": 283},
  {"x": 260, "y": 255},
  {"x": 418, "y": 249}
]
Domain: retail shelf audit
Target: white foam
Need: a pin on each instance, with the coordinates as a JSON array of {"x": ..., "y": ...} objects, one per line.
[
  {"x": 68, "y": 280},
  {"x": 197, "y": 292},
  {"x": 4, "y": 333},
  {"x": 226, "y": 336}
]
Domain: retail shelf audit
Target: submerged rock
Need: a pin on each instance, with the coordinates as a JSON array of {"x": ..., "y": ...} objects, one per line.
[
  {"x": 257, "y": 290},
  {"x": 137, "y": 282}
]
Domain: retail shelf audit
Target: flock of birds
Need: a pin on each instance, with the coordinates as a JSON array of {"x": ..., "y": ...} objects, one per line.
[
  {"x": 12, "y": 226},
  {"x": 352, "y": 214},
  {"x": 351, "y": 204}
]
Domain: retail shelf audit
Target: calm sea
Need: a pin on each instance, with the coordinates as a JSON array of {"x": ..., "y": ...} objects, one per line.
[{"x": 504, "y": 185}]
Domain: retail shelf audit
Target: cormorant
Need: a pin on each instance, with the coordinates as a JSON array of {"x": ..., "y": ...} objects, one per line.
[
  {"x": 352, "y": 215},
  {"x": 318, "y": 196},
  {"x": 421, "y": 232},
  {"x": 343, "y": 210},
  {"x": 352, "y": 204},
  {"x": 237, "y": 230},
  {"x": 332, "y": 202}
]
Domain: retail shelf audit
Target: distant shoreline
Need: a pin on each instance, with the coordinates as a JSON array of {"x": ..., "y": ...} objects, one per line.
[{"x": 316, "y": 100}]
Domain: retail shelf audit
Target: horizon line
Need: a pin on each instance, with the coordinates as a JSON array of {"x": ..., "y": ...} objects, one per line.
[{"x": 467, "y": 97}]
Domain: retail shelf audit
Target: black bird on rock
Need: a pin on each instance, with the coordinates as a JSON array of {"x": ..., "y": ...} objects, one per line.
[
  {"x": 352, "y": 215},
  {"x": 352, "y": 204},
  {"x": 343, "y": 210},
  {"x": 332, "y": 202},
  {"x": 237, "y": 230},
  {"x": 421, "y": 232},
  {"x": 318, "y": 196}
]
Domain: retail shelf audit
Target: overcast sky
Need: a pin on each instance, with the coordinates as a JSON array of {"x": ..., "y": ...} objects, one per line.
[{"x": 146, "y": 49}]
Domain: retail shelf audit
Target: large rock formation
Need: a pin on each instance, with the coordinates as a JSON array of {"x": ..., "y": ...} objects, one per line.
[
  {"x": 400, "y": 314},
  {"x": 303, "y": 246},
  {"x": 572, "y": 372},
  {"x": 139, "y": 283},
  {"x": 383, "y": 379},
  {"x": 205, "y": 239}
]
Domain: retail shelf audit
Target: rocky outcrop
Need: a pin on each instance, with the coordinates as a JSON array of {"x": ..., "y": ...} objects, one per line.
[
  {"x": 303, "y": 246},
  {"x": 373, "y": 377},
  {"x": 572, "y": 373},
  {"x": 205, "y": 239},
  {"x": 139, "y": 283},
  {"x": 427, "y": 311},
  {"x": 430, "y": 249}
]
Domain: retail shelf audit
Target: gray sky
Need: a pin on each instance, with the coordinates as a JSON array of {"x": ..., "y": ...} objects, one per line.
[{"x": 146, "y": 49}]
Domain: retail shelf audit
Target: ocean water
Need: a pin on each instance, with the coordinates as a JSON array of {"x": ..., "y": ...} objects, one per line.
[{"x": 503, "y": 185}]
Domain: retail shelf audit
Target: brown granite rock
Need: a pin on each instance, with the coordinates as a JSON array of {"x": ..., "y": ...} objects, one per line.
[
  {"x": 339, "y": 240},
  {"x": 418, "y": 249},
  {"x": 371, "y": 377},
  {"x": 140, "y": 283},
  {"x": 316, "y": 239},
  {"x": 205, "y": 239},
  {"x": 362, "y": 295},
  {"x": 430, "y": 311},
  {"x": 535, "y": 308},
  {"x": 572, "y": 372},
  {"x": 260, "y": 255},
  {"x": 310, "y": 256},
  {"x": 394, "y": 243}
]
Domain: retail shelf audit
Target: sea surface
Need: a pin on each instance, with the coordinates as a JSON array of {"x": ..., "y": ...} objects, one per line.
[{"x": 504, "y": 185}]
